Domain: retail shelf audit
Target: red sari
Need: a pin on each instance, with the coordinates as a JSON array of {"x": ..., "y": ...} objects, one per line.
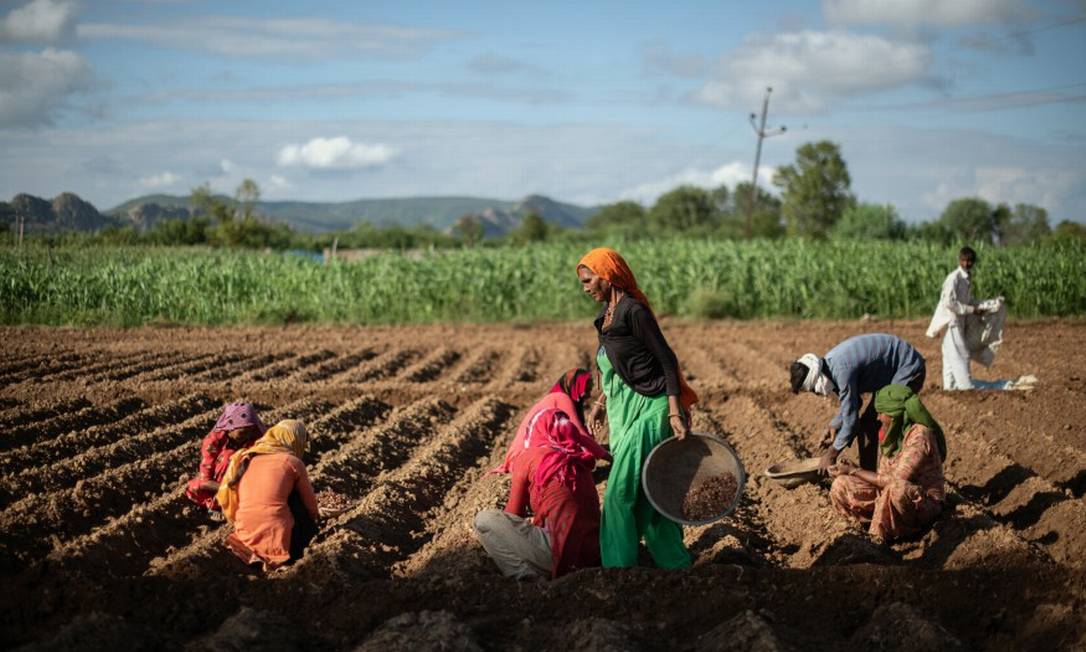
[{"x": 552, "y": 474}]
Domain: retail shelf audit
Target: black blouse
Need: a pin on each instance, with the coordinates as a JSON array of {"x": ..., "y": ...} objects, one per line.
[{"x": 637, "y": 349}]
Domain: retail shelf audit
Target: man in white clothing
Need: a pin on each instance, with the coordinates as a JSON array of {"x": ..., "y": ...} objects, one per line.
[{"x": 955, "y": 302}]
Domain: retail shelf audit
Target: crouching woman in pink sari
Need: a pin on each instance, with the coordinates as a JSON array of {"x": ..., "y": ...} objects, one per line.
[{"x": 906, "y": 494}]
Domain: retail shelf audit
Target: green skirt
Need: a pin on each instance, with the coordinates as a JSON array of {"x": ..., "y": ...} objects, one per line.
[{"x": 637, "y": 424}]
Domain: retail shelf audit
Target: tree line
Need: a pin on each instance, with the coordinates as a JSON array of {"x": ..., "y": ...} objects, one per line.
[{"x": 815, "y": 201}]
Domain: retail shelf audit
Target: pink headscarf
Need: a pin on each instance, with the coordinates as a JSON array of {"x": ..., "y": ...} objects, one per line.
[
  {"x": 239, "y": 415},
  {"x": 575, "y": 383},
  {"x": 567, "y": 395},
  {"x": 569, "y": 448}
]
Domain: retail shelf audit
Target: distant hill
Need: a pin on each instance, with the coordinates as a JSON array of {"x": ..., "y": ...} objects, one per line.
[
  {"x": 66, "y": 212},
  {"x": 498, "y": 216}
]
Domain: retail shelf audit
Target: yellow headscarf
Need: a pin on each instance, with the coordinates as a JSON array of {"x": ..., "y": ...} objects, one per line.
[{"x": 287, "y": 436}]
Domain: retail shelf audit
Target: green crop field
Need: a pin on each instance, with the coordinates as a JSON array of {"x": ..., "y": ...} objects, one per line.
[{"x": 695, "y": 278}]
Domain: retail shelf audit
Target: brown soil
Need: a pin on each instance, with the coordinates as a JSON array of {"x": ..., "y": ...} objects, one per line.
[{"x": 100, "y": 429}]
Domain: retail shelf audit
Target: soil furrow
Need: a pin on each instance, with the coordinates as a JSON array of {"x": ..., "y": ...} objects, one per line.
[
  {"x": 1035, "y": 508},
  {"x": 341, "y": 364},
  {"x": 384, "y": 366},
  {"x": 245, "y": 366},
  {"x": 15, "y": 364},
  {"x": 389, "y": 524},
  {"x": 351, "y": 469},
  {"x": 193, "y": 419},
  {"x": 187, "y": 368},
  {"x": 1029, "y": 445},
  {"x": 43, "y": 368},
  {"x": 291, "y": 367},
  {"x": 26, "y": 415},
  {"x": 35, "y": 457},
  {"x": 524, "y": 368},
  {"x": 110, "y": 362},
  {"x": 149, "y": 363},
  {"x": 64, "y": 423},
  {"x": 431, "y": 367},
  {"x": 480, "y": 368}
]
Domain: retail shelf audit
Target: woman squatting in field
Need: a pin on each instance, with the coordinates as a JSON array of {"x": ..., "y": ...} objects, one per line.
[
  {"x": 237, "y": 429},
  {"x": 646, "y": 400},
  {"x": 551, "y": 459},
  {"x": 267, "y": 495},
  {"x": 906, "y": 494}
]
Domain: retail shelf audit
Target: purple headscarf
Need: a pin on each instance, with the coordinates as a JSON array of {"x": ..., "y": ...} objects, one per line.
[{"x": 239, "y": 415}]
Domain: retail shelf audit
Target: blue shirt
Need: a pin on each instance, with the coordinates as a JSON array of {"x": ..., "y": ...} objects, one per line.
[{"x": 863, "y": 364}]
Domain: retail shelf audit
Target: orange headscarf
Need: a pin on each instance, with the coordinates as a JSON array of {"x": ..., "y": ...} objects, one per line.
[{"x": 609, "y": 264}]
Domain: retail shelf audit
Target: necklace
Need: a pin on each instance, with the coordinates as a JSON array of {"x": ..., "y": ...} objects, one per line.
[{"x": 609, "y": 313}]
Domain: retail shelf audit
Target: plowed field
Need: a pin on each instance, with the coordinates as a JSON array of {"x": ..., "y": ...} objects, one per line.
[{"x": 100, "y": 429}]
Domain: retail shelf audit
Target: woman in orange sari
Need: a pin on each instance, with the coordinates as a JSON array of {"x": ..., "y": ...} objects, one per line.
[{"x": 647, "y": 401}]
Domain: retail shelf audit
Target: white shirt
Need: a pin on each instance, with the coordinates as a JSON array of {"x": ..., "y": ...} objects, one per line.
[{"x": 955, "y": 301}]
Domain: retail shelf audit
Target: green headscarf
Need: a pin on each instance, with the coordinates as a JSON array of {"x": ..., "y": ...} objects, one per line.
[{"x": 899, "y": 402}]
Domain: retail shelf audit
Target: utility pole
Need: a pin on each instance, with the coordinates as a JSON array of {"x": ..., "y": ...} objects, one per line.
[
  {"x": 759, "y": 130},
  {"x": 22, "y": 222}
]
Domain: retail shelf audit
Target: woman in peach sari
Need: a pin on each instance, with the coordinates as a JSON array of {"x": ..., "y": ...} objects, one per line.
[
  {"x": 906, "y": 494},
  {"x": 267, "y": 496}
]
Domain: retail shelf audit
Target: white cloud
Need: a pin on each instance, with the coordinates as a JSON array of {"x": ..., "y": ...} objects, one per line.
[
  {"x": 337, "y": 153},
  {"x": 283, "y": 37},
  {"x": 809, "y": 70},
  {"x": 1009, "y": 184},
  {"x": 227, "y": 166},
  {"x": 729, "y": 174},
  {"x": 34, "y": 86},
  {"x": 40, "y": 21},
  {"x": 161, "y": 180},
  {"x": 279, "y": 183},
  {"x": 917, "y": 13}
]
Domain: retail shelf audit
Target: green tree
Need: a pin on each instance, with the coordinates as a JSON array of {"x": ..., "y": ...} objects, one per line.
[
  {"x": 816, "y": 190},
  {"x": 684, "y": 209},
  {"x": 468, "y": 230},
  {"x": 191, "y": 231},
  {"x": 869, "y": 222},
  {"x": 246, "y": 196},
  {"x": 1069, "y": 229},
  {"x": 1028, "y": 223},
  {"x": 766, "y": 220},
  {"x": 972, "y": 219},
  {"x": 532, "y": 228},
  {"x": 622, "y": 215},
  {"x": 204, "y": 201}
]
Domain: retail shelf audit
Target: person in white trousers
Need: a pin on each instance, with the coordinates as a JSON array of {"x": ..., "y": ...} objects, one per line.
[{"x": 955, "y": 303}]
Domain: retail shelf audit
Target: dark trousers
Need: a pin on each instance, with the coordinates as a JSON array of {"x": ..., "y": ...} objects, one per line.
[
  {"x": 867, "y": 427},
  {"x": 304, "y": 526}
]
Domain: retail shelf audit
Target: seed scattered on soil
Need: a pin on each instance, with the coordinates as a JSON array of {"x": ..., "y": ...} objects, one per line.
[{"x": 710, "y": 497}]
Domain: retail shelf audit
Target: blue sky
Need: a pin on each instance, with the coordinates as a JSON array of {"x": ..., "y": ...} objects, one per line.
[{"x": 586, "y": 102}]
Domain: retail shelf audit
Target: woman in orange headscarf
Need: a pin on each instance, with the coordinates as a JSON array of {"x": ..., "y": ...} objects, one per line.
[{"x": 647, "y": 400}]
